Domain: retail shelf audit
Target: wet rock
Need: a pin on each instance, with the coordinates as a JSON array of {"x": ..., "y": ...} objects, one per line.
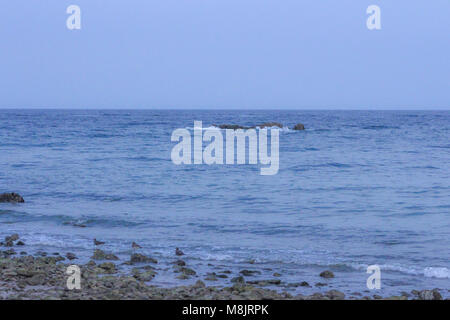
[
  {"x": 321, "y": 284},
  {"x": 71, "y": 256},
  {"x": 265, "y": 282},
  {"x": 140, "y": 258},
  {"x": 199, "y": 284},
  {"x": 222, "y": 276},
  {"x": 178, "y": 252},
  {"x": 249, "y": 272},
  {"x": 304, "y": 284},
  {"x": 270, "y": 124},
  {"x": 299, "y": 126},
  {"x": 335, "y": 295},
  {"x": 231, "y": 126},
  {"x": 180, "y": 263},
  {"x": 145, "y": 276},
  {"x": 108, "y": 267},
  {"x": 211, "y": 277},
  {"x": 20, "y": 243},
  {"x": 188, "y": 271},
  {"x": 13, "y": 237},
  {"x": 239, "y": 279},
  {"x": 429, "y": 295},
  {"x": 11, "y": 198},
  {"x": 101, "y": 255},
  {"x": 36, "y": 280},
  {"x": 327, "y": 274},
  {"x": 276, "y": 274}
]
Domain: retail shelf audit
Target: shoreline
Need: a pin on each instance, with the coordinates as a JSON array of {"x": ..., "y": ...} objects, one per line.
[{"x": 45, "y": 277}]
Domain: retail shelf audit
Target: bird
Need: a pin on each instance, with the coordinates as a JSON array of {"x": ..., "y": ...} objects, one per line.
[
  {"x": 134, "y": 245},
  {"x": 178, "y": 252},
  {"x": 98, "y": 243}
]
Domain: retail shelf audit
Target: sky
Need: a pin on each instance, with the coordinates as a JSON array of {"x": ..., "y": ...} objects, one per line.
[{"x": 219, "y": 54}]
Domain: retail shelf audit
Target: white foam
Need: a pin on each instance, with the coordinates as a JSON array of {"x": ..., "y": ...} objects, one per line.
[{"x": 437, "y": 272}]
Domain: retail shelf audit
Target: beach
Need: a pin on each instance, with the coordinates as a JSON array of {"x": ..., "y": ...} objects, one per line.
[{"x": 46, "y": 277}]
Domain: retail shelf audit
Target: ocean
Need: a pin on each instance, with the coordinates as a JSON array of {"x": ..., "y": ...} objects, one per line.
[{"x": 356, "y": 188}]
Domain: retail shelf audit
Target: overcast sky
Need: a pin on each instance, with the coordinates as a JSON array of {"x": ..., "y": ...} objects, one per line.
[{"x": 277, "y": 54}]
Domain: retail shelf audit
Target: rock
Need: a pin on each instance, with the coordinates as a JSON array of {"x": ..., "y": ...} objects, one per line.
[
  {"x": 327, "y": 274},
  {"x": 320, "y": 284},
  {"x": 211, "y": 277},
  {"x": 430, "y": 295},
  {"x": 249, "y": 272},
  {"x": 335, "y": 295},
  {"x": 140, "y": 258},
  {"x": 231, "y": 126},
  {"x": 304, "y": 284},
  {"x": 180, "y": 263},
  {"x": 178, "y": 252},
  {"x": 145, "y": 276},
  {"x": 101, "y": 255},
  {"x": 199, "y": 284},
  {"x": 270, "y": 124},
  {"x": 20, "y": 243},
  {"x": 13, "y": 237},
  {"x": 71, "y": 256},
  {"x": 265, "y": 282},
  {"x": 276, "y": 274},
  {"x": 108, "y": 267},
  {"x": 36, "y": 280},
  {"x": 239, "y": 279},
  {"x": 188, "y": 271},
  {"x": 11, "y": 198},
  {"x": 299, "y": 126}
]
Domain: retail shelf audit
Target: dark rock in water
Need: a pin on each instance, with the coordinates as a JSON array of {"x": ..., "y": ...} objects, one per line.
[
  {"x": 335, "y": 295},
  {"x": 178, "y": 252},
  {"x": 327, "y": 274},
  {"x": 304, "y": 284},
  {"x": 20, "y": 243},
  {"x": 108, "y": 267},
  {"x": 180, "y": 263},
  {"x": 249, "y": 272},
  {"x": 299, "y": 126},
  {"x": 71, "y": 256},
  {"x": 231, "y": 126},
  {"x": 430, "y": 295},
  {"x": 140, "y": 258},
  {"x": 188, "y": 271},
  {"x": 320, "y": 284},
  {"x": 270, "y": 124},
  {"x": 265, "y": 282},
  {"x": 11, "y": 197},
  {"x": 239, "y": 279},
  {"x": 13, "y": 237},
  {"x": 101, "y": 255}
]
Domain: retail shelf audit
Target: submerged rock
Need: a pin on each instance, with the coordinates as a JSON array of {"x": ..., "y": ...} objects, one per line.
[
  {"x": 327, "y": 274},
  {"x": 249, "y": 272},
  {"x": 101, "y": 255},
  {"x": 230, "y": 126},
  {"x": 299, "y": 126},
  {"x": 270, "y": 124},
  {"x": 140, "y": 258},
  {"x": 11, "y": 197},
  {"x": 335, "y": 295}
]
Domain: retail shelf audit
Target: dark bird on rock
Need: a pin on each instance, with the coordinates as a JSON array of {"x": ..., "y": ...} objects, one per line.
[
  {"x": 98, "y": 243},
  {"x": 178, "y": 252},
  {"x": 134, "y": 245}
]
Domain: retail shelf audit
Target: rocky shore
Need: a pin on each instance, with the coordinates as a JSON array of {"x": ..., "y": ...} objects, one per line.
[{"x": 44, "y": 276}]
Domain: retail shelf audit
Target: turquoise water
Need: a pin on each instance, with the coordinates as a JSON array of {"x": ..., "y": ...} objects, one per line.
[{"x": 355, "y": 188}]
